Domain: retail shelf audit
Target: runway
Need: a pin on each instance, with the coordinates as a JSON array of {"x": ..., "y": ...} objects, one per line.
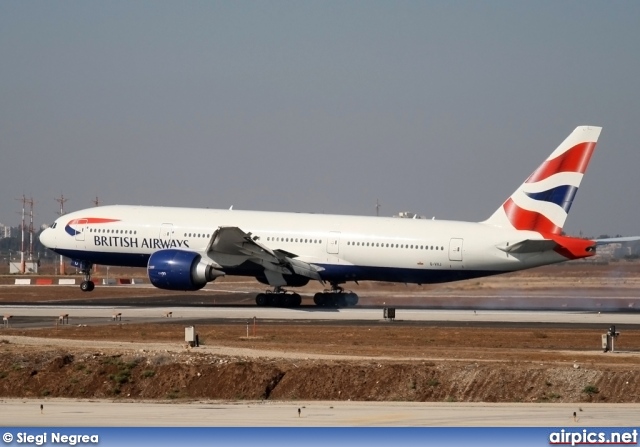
[
  {"x": 46, "y": 315},
  {"x": 85, "y": 413}
]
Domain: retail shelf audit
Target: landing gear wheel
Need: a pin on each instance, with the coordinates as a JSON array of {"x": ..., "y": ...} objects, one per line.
[
  {"x": 278, "y": 298},
  {"x": 336, "y": 297},
  {"x": 87, "y": 286},
  {"x": 351, "y": 299}
]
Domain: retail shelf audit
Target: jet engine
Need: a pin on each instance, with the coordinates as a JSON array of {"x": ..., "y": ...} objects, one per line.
[{"x": 180, "y": 270}]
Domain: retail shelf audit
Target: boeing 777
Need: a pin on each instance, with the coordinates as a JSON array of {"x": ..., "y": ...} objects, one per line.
[{"x": 185, "y": 248}]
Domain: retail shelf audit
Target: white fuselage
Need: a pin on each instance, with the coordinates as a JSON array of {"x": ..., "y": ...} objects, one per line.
[{"x": 347, "y": 248}]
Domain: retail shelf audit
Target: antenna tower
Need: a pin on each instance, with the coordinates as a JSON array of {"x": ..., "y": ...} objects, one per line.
[
  {"x": 96, "y": 202},
  {"x": 61, "y": 200},
  {"x": 23, "y": 199},
  {"x": 30, "y": 202}
]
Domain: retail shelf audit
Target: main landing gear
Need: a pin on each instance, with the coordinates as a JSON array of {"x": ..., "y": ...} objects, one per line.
[
  {"x": 278, "y": 298},
  {"x": 336, "y": 297},
  {"x": 86, "y": 285}
]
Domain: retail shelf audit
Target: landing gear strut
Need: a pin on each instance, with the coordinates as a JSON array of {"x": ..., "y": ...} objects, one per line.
[
  {"x": 86, "y": 285},
  {"x": 278, "y": 297},
  {"x": 336, "y": 297}
]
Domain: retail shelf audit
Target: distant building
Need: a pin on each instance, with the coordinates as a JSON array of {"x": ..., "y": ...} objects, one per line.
[
  {"x": 607, "y": 252},
  {"x": 5, "y": 231}
]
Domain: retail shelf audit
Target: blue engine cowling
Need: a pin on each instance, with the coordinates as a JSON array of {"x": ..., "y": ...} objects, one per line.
[{"x": 179, "y": 270}]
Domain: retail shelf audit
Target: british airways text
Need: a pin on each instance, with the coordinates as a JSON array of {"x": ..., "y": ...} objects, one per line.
[{"x": 134, "y": 242}]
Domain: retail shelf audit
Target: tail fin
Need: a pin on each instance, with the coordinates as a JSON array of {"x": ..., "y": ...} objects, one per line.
[{"x": 543, "y": 201}]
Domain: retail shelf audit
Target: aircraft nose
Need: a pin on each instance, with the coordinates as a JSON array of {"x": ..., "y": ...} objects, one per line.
[{"x": 48, "y": 238}]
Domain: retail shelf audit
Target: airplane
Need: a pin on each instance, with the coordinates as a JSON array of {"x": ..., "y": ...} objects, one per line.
[{"x": 185, "y": 248}]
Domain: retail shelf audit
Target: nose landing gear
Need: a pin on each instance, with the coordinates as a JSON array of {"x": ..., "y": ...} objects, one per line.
[{"x": 85, "y": 268}]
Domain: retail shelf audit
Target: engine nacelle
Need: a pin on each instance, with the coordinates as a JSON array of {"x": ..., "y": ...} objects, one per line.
[{"x": 180, "y": 270}]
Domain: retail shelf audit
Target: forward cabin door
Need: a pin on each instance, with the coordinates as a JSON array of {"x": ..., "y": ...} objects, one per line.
[
  {"x": 455, "y": 249},
  {"x": 81, "y": 227}
]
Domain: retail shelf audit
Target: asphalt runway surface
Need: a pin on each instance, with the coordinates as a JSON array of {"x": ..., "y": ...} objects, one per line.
[
  {"x": 92, "y": 413},
  {"x": 45, "y": 315}
]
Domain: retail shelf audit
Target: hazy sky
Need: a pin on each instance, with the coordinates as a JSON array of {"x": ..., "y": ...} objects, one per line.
[{"x": 437, "y": 107}]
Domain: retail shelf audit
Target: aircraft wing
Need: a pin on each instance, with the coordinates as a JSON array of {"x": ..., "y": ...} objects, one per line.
[{"x": 230, "y": 246}]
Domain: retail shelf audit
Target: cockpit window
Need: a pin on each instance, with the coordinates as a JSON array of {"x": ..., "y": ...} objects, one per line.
[{"x": 54, "y": 224}]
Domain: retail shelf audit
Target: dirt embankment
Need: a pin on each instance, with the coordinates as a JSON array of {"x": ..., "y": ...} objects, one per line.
[{"x": 300, "y": 363}]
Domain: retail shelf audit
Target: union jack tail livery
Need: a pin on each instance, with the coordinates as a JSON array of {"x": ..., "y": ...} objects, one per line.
[{"x": 542, "y": 202}]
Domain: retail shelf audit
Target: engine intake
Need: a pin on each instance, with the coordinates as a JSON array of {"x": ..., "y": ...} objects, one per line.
[{"x": 180, "y": 270}]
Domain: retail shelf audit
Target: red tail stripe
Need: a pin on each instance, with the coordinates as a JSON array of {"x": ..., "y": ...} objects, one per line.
[
  {"x": 523, "y": 219},
  {"x": 575, "y": 159}
]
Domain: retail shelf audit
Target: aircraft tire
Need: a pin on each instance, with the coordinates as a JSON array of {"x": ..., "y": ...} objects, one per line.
[
  {"x": 296, "y": 300},
  {"x": 261, "y": 300},
  {"x": 320, "y": 299},
  {"x": 351, "y": 299},
  {"x": 87, "y": 286}
]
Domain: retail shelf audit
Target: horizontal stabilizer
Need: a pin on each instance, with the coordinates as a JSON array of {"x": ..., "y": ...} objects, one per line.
[
  {"x": 530, "y": 246},
  {"x": 617, "y": 240}
]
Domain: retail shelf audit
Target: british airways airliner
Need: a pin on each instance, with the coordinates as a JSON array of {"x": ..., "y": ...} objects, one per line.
[{"x": 185, "y": 248}]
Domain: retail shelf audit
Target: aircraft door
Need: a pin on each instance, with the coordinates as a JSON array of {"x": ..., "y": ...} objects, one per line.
[
  {"x": 81, "y": 227},
  {"x": 166, "y": 234},
  {"x": 455, "y": 249},
  {"x": 333, "y": 243}
]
